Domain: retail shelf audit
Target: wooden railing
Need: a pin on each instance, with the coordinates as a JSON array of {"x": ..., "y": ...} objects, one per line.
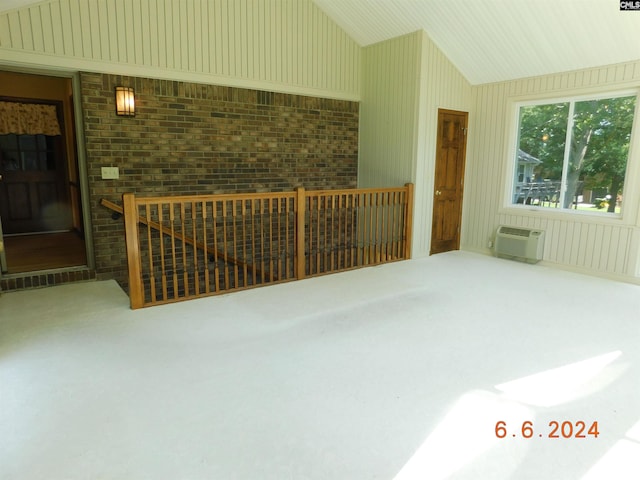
[{"x": 185, "y": 247}]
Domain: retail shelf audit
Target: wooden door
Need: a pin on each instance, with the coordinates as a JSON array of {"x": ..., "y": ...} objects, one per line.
[
  {"x": 449, "y": 178},
  {"x": 33, "y": 194}
]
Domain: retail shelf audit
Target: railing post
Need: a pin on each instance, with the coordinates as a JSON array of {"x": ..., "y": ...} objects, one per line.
[
  {"x": 408, "y": 227},
  {"x": 300, "y": 232},
  {"x": 132, "y": 240}
]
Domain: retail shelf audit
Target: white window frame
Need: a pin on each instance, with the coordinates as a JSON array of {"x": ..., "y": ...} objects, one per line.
[{"x": 629, "y": 208}]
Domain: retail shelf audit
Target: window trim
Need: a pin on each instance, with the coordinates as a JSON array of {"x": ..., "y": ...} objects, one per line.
[{"x": 629, "y": 210}]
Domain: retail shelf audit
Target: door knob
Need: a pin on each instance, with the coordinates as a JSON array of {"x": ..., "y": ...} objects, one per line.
[{"x": 438, "y": 192}]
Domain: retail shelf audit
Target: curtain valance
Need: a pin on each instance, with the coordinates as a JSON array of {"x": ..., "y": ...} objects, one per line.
[{"x": 28, "y": 119}]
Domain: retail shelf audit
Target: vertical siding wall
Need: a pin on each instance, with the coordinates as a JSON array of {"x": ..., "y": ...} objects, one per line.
[
  {"x": 280, "y": 45},
  {"x": 441, "y": 86},
  {"x": 604, "y": 246},
  {"x": 406, "y": 80},
  {"x": 389, "y": 112}
]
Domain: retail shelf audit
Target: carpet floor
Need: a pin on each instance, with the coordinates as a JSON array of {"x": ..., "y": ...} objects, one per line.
[{"x": 456, "y": 366}]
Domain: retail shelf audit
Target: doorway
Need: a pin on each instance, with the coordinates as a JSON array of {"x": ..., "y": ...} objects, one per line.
[
  {"x": 449, "y": 180},
  {"x": 40, "y": 207}
]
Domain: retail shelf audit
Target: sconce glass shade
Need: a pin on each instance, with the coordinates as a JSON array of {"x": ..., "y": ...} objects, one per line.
[{"x": 125, "y": 101}]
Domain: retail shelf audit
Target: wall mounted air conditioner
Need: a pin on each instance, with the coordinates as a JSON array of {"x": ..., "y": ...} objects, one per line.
[{"x": 521, "y": 243}]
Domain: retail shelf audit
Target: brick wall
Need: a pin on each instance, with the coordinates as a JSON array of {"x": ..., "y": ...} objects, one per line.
[{"x": 193, "y": 138}]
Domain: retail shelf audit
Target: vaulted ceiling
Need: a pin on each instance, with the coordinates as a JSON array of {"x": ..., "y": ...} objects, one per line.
[
  {"x": 496, "y": 40},
  {"x": 493, "y": 40}
]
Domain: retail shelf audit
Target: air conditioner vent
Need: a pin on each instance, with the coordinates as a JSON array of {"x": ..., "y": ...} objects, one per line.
[
  {"x": 521, "y": 243},
  {"x": 523, "y": 232}
]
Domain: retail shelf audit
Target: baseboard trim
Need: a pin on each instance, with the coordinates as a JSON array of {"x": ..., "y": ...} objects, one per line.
[{"x": 569, "y": 268}]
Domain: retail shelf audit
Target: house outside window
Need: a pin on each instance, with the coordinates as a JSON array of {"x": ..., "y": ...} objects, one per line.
[{"x": 572, "y": 154}]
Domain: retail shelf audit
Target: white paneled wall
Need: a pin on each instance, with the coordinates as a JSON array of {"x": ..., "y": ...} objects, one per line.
[
  {"x": 582, "y": 242},
  {"x": 441, "y": 86},
  {"x": 405, "y": 81},
  {"x": 281, "y": 45},
  {"x": 389, "y": 112}
]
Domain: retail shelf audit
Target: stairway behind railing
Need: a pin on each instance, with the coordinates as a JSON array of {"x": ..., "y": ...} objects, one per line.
[{"x": 185, "y": 247}]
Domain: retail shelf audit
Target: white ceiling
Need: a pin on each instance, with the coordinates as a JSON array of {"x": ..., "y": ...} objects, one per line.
[
  {"x": 497, "y": 40},
  {"x": 493, "y": 40}
]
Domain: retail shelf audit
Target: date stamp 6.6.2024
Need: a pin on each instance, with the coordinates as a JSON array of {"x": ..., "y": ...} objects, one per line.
[{"x": 554, "y": 429}]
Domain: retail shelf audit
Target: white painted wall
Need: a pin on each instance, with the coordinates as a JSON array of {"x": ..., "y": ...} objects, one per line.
[
  {"x": 389, "y": 112},
  {"x": 600, "y": 245},
  {"x": 405, "y": 81},
  {"x": 279, "y": 45}
]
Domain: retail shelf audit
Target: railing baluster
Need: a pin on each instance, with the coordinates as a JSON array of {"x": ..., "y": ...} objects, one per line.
[
  {"x": 216, "y": 268},
  {"x": 384, "y": 245},
  {"x": 394, "y": 226},
  {"x": 367, "y": 228},
  {"x": 196, "y": 266},
  {"x": 185, "y": 270},
  {"x": 132, "y": 242},
  {"x": 235, "y": 242},
  {"x": 253, "y": 239},
  {"x": 337, "y": 226},
  {"x": 152, "y": 278},
  {"x": 328, "y": 246},
  {"x": 369, "y": 215},
  {"x": 380, "y": 226},
  {"x": 383, "y": 227},
  {"x": 299, "y": 234},
  {"x": 270, "y": 218},
  {"x": 245, "y": 269},
  {"x": 333, "y": 250},
  {"x": 392, "y": 213},
  {"x": 318, "y": 248},
  {"x": 343, "y": 229},
  {"x": 381, "y": 238},
  {"x": 323, "y": 216},
  {"x": 408, "y": 227},
  {"x": 405, "y": 223},
  {"x": 325, "y": 233},
  {"x": 224, "y": 245},
  {"x": 206, "y": 246},
  {"x": 399, "y": 223},
  {"x": 173, "y": 249},
  {"x": 262, "y": 269},
  {"x": 400, "y": 227},
  {"x": 286, "y": 239},
  {"x": 310, "y": 210},
  {"x": 354, "y": 229},
  {"x": 279, "y": 242},
  {"x": 162, "y": 259},
  {"x": 377, "y": 230}
]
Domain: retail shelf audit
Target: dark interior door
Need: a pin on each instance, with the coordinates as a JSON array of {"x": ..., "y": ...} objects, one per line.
[
  {"x": 449, "y": 177},
  {"x": 33, "y": 193}
]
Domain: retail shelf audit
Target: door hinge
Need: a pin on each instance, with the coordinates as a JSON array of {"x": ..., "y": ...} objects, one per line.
[{"x": 464, "y": 130}]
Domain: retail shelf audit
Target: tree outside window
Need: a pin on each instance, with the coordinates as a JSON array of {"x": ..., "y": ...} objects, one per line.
[{"x": 573, "y": 154}]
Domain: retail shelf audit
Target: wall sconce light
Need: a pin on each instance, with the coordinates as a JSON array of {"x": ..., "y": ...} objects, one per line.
[{"x": 125, "y": 101}]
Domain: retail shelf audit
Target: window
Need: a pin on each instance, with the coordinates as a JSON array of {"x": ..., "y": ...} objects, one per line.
[
  {"x": 572, "y": 154},
  {"x": 27, "y": 152}
]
